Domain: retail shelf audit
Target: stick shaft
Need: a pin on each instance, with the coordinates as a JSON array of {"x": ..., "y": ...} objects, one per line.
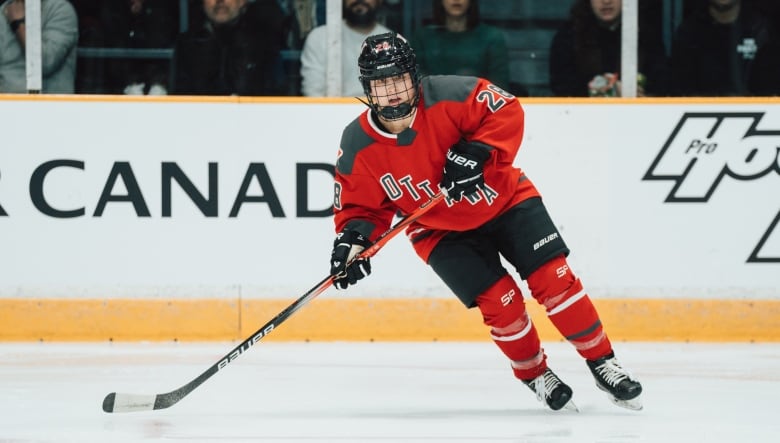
[{"x": 117, "y": 402}]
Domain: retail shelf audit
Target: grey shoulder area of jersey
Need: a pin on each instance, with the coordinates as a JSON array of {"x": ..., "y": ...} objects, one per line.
[
  {"x": 438, "y": 88},
  {"x": 353, "y": 140}
]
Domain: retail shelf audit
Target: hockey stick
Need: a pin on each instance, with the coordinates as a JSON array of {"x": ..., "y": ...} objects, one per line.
[{"x": 117, "y": 402}]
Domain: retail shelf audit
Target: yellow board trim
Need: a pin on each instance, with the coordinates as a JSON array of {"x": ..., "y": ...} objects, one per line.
[{"x": 386, "y": 319}]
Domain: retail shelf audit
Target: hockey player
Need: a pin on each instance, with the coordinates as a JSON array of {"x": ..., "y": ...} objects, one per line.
[{"x": 461, "y": 134}]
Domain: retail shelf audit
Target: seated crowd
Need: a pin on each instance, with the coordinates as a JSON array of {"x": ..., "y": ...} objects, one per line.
[{"x": 280, "y": 47}]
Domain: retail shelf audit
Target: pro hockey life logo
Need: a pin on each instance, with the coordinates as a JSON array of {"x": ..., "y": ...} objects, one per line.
[{"x": 705, "y": 148}]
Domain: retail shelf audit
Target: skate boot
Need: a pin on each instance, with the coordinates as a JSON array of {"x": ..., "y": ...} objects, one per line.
[
  {"x": 617, "y": 382},
  {"x": 552, "y": 391}
]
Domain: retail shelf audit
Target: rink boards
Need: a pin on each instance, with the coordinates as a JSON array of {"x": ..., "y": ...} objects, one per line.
[
  {"x": 201, "y": 219},
  {"x": 331, "y": 318}
]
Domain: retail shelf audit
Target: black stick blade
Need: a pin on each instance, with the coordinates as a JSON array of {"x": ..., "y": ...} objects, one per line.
[{"x": 108, "y": 402}]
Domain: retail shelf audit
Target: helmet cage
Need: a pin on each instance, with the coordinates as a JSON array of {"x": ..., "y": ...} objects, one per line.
[{"x": 383, "y": 56}]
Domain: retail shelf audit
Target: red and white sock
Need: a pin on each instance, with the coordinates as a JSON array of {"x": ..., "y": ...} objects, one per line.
[
  {"x": 503, "y": 309},
  {"x": 569, "y": 308}
]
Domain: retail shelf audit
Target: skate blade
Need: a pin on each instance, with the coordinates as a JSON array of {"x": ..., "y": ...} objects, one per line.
[
  {"x": 635, "y": 404},
  {"x": 570, "y": 406}
]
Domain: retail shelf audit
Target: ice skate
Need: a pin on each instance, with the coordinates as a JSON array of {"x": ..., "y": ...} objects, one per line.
[
  {"x": 552, "y": 391},
  {"x": 617, "y": 382}
]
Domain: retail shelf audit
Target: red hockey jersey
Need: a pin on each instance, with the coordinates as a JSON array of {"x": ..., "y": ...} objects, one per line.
[{"x": 379, "y": 174}]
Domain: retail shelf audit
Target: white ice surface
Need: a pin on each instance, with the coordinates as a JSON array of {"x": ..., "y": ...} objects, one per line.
[{"x": 382, "y": 392}]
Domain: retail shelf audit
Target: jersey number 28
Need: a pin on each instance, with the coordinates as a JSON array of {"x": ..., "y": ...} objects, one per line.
[{"x": 495, "y": 97}]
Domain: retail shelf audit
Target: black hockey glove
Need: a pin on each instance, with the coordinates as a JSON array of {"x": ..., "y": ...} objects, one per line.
[
  {"x": 348, "y": 244},
  {"x": 463, "y": 169}
]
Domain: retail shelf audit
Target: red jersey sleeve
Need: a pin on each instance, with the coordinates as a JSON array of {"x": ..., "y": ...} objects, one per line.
[
  {"x": 359, "y": 203},
  {"x": 496, "y": 118}
]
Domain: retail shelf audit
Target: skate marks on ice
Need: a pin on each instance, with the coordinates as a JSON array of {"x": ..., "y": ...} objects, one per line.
[{"x": 384, "y": 392}]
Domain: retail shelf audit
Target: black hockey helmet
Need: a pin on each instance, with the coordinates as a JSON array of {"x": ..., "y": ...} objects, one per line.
[{"x": 383, "y": 56}]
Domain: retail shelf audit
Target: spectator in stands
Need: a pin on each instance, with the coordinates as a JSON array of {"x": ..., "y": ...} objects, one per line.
[
  {"x": 59, "y": 37},
  {"x": 458, "y": 43},
  {"x": 585, "y": 55},
  {"x": 90, "y": 71},
  {"x": 767, "y": 67},
  {"x": 138, "y": 24},
  {"x": 301, "y": 16},
  {"x": 360, "y": 21},
  {"x": 725, "y": 48},
  {"x": 392, "y": 14},
  {"x": 235, "y": 51}
]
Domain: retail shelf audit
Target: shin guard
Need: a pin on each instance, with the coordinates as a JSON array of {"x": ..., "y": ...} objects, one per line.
[
  {"x": 513, "y": 332},
  {"x": 569, "y": 308}
]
